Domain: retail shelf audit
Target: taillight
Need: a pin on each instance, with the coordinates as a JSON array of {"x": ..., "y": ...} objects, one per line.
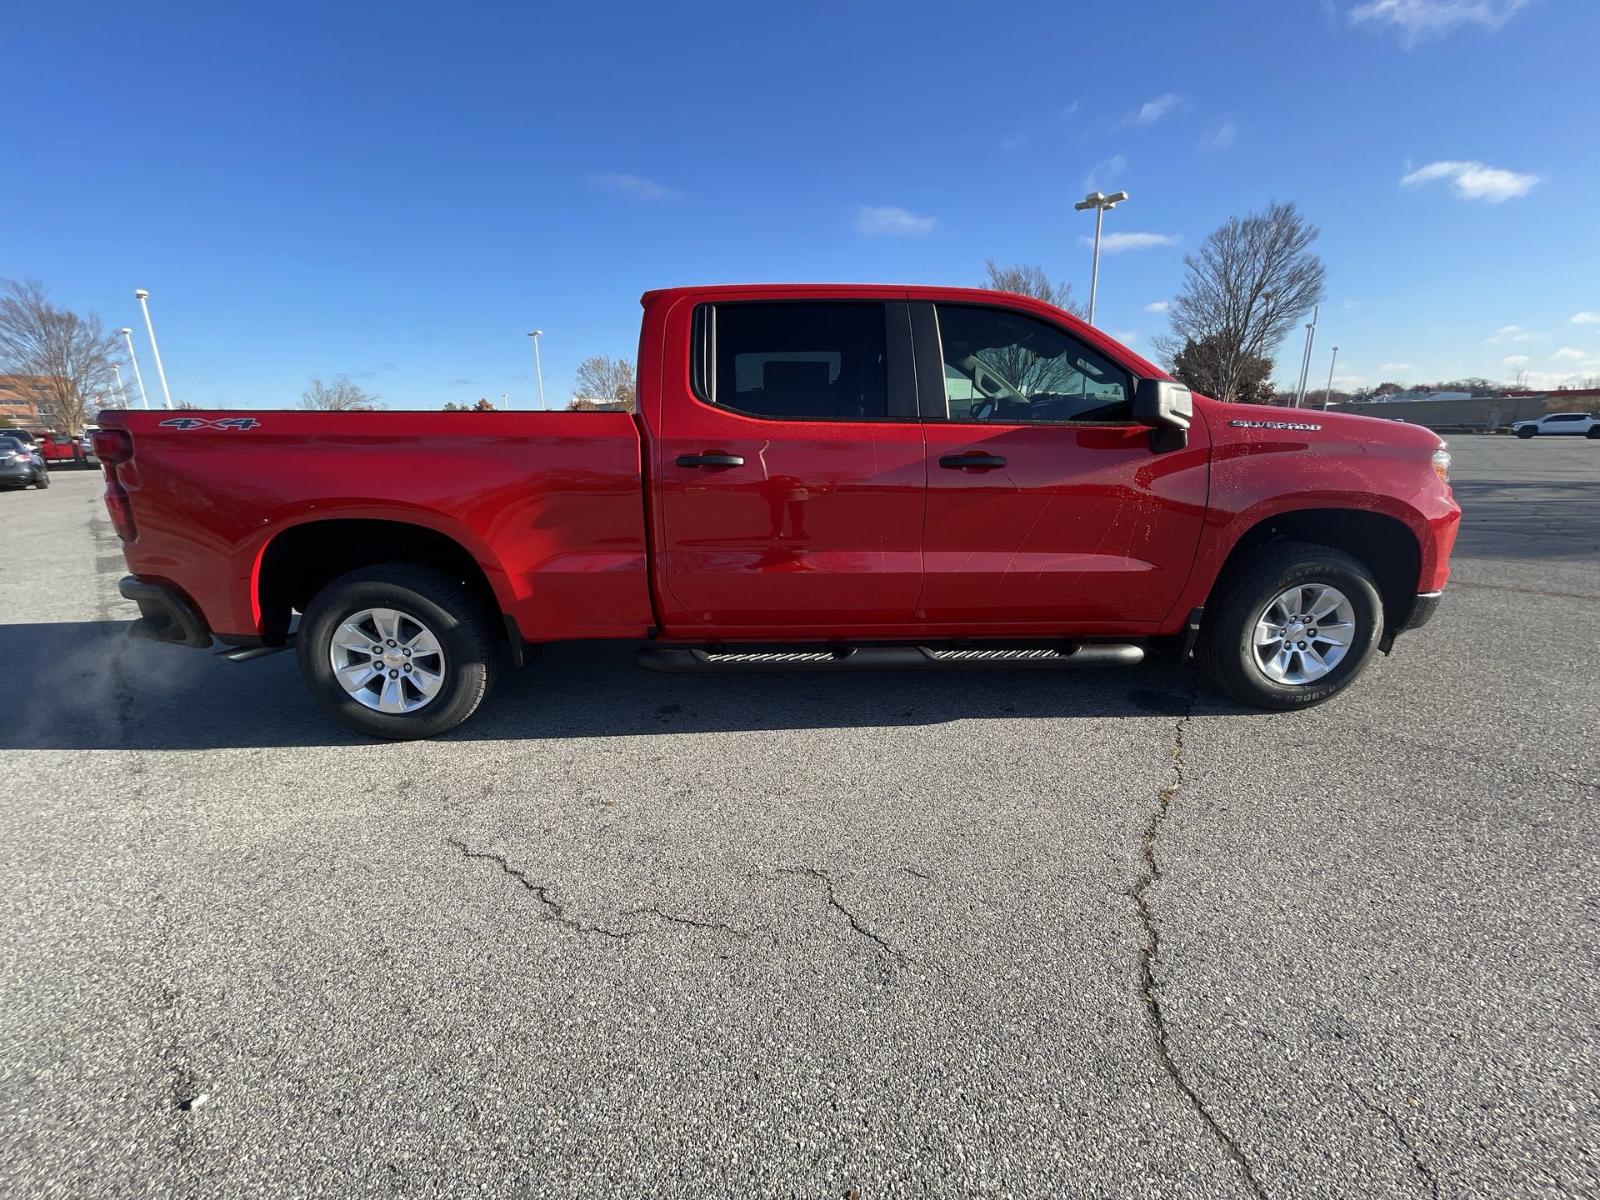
[
  {"x": 119, "y": 506},
  {"x": 112, "y": 445}
]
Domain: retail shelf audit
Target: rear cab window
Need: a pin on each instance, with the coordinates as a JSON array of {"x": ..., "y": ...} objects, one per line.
[{"x": 794, "y": 360}]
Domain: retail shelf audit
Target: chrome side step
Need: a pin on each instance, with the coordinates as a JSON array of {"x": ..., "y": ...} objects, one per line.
[{"x": 684, "y": 659}]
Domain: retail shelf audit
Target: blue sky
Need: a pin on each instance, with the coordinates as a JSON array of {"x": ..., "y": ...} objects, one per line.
[{"x": 400, "y": 193}]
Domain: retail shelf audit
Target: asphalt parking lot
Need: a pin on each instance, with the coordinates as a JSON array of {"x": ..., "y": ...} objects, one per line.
[{"x": 972, "y": 933}]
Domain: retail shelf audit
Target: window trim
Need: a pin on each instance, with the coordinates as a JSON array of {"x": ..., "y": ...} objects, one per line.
[
  {"x": 900, "y": 391},
  {"x": 936, "y": 408}
]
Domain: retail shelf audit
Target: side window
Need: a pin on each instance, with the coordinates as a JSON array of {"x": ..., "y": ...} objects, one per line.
[
  {"x": 805, "y": 360},
  {"x": 1007, "y": 367}
]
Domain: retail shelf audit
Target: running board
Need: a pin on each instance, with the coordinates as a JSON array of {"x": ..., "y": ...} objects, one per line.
[
  {"x": 251, "y": 653},
  {"x": 887, "y": 658}
]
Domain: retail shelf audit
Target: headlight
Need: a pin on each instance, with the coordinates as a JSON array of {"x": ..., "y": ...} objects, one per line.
[{"x": 1441, "y": 464}]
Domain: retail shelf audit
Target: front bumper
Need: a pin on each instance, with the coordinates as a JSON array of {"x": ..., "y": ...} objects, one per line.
[
  {"x": 165, "y": 614},
  {"x": 1422, "y": 610}
]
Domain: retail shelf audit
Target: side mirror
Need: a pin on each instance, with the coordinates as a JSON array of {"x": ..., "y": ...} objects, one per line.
[{"x": 1167, "y": 408}]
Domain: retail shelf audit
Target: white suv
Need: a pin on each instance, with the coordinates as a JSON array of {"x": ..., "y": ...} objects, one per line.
[{"x": 1570, "y": 424}]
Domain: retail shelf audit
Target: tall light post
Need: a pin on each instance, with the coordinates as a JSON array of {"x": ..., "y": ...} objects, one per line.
[
  {"x": 143, "y": 297},
  {"x": 1328, "y": 391},
  {"x": 1100, "y": 202},
  {"x": 1305, "y": 359},
  {"x": 144, "y": 397},
  {"x": 121, "y": 395},
  {"x": 538, "y": 367}
]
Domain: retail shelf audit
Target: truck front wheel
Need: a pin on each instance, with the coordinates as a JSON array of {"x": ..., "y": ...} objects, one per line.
[
  {"x": 1290, "y": 626},
  {"x": 396, "y": 651}
]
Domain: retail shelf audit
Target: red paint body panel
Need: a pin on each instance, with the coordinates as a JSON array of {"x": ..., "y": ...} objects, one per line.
[
  {"x": 586, "y": 527},
  {"x": 547, "y": 503}
]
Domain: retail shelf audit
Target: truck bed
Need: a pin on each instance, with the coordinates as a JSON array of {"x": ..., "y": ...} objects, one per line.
[{"x": 550, "y": 504}]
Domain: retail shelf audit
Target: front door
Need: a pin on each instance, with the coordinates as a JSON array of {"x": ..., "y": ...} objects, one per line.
[
  {"x": 1046, "y": 502},
  {"x": 789, "y": 470}
]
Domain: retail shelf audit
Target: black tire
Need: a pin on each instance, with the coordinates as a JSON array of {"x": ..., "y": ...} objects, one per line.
[
  {"x": 432, "y": 600},
  {"x": 1594, "y": 433},
  {"x": 43, "y": 481},
  {"x": 1525, "y": 433},
  {"x": 1225, "y": 650}
]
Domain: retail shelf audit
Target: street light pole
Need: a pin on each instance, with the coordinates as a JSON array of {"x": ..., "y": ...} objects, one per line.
[
  {"x": 538, "y": 367},
  {"x": 1100, "y": 202},
  {"x": 144, "y": 302},
  {"x": 1328, "y": 391},
  {"x": 144, "y": 397},
  {"x": 121, "y": 395},
  {"x": 1305, "y": 360}
]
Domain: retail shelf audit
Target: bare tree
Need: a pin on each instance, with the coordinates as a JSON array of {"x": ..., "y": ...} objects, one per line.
[
  {"x": 71, "y": 358},
  {"x": 1247, "y": 286},
  {"x": 1028, "y": 280},
  {"x": 1203, "y": 365},
  {"x": 339, "y": 396},
  {"x": 609, "y": 380}
]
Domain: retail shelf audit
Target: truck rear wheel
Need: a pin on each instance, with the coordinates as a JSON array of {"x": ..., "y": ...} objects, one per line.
[
  {"x": 1290, "y": 626},
  {"x": 396, "y": 651}
]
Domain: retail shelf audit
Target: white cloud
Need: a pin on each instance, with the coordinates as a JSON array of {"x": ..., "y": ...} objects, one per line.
[
  {"x": 892, "y": 222},
  {"x": 1586, "y": 318},
  {"x": 1569, "y": 354},
  {"x": 1152, "y": 111},
  {"x": 1126, "y": 336},
  {"x": 1343, "y": 382},
  {"x": 1220, "y": 137},
  {"x": 1348, "y": 305},
  {"x": 1474, "y": 180},
  {"x": 1116, "y": 243},
  {"x": 1512, "y": 333},
  {"x": 1157, "y": 306},
  {"x": 1418, "y": 20},
  {"x": 1104, "y": 173},
  {"x": 1515, "y": 360},
  {"x": 1382, "y": 367},
  {"x": 636, "y": 186}
]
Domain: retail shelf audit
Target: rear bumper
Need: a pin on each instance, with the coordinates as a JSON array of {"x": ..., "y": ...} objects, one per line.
[{"x": 165, "y": 614}]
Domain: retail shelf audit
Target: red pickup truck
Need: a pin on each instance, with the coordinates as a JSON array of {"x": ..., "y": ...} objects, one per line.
[{"x": 818, "y": 477}]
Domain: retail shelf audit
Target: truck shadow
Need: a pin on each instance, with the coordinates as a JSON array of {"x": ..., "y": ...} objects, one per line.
[{"x": 88, "y": 686}]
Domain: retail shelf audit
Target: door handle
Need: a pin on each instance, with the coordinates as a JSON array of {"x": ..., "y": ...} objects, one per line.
[
  {"x": 970, "y": 461},
  {"x": 711, "y": 460}
]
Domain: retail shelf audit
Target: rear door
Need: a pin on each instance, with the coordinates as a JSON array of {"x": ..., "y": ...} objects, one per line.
[
  {"x": 1046, "y": 502},
  {"x": 789, "y": 474}
]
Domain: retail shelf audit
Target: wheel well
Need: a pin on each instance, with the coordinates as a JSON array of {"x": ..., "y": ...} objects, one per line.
[
  {"x": 1381, "y": 543},
  {"x": 301, "y": 560}
]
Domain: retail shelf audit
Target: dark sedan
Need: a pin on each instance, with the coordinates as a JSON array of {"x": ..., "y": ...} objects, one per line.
[{"x": 21, "y": 465}]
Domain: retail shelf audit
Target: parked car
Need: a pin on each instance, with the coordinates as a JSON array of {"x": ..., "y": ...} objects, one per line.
[
  {"x": 818, "y": 478},
  {"x": 1559, "y": 424},
  {"x": 21, "y": 465},
  {"x": 57, "y": 448},
  {"x": 87, "y": 442}
]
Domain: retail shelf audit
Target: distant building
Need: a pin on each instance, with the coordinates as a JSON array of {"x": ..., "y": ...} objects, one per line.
[
  {"x": 1415, "y": 394},
  {"x": 24, "y": 399}
]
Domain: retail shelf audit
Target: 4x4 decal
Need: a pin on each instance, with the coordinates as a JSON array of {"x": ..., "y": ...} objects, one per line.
[{"x": 204, "y": 423}]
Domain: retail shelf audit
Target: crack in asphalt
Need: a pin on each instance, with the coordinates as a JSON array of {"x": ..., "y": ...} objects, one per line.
[
  {"x": 833, "y": 903},
  {"x": 1423, "y": 1170},
  {"x": 1150, "y": 950},
  {"x": 655, "y": 910},
  {"x": 554, "y": 911}
]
